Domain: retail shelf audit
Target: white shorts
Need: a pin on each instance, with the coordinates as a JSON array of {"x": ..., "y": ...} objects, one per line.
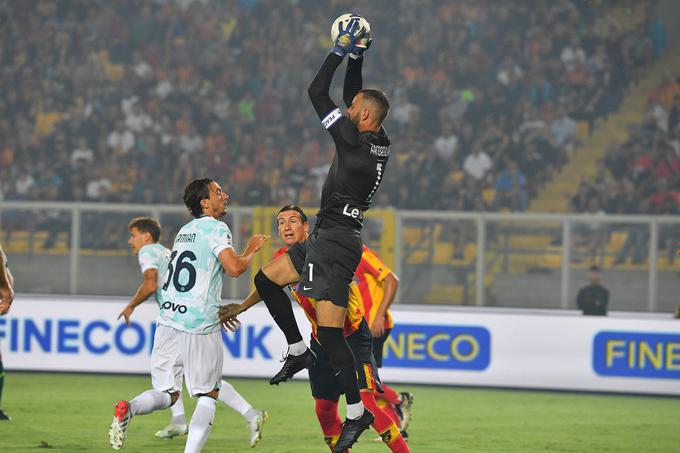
[
  {"x": 166, "y": 364},
  {"x": 202, "y": 357}
]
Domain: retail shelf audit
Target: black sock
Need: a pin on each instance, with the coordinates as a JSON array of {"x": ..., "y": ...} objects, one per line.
[
  {"x": 279, "y": 307},
  {"x": 342, "y": 360}
]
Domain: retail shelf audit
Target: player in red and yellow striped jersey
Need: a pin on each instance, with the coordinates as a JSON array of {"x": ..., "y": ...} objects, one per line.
[
  {"x": 376, "y": 287},
  {"x": 326, "y": 390}
]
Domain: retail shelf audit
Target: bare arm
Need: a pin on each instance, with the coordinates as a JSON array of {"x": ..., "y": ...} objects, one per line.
[
  {"x": 234, "y": 264},
  {"x": 390, "y": 285},
  {"x": 146, "y": 289},
  {"x": 6, "y": 283},
  {"x": 228, "y": 313}
]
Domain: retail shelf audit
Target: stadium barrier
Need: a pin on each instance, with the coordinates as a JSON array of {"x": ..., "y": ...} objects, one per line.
[
  {"x": 557, "y": 350},
  {"x": 449, "y": 258}
]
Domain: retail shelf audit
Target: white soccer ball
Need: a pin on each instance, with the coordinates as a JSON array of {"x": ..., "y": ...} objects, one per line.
[{"x": 364, "y": 30}]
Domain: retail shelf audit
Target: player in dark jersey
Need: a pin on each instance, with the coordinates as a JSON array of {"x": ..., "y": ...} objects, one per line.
[
  {"x": 293, "y": 228},
  {"x": 325, "y": 263}
]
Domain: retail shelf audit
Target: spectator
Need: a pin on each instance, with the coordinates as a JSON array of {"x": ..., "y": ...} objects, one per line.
[
  {"x": 593, "y": 298},
  {"x": 477, "y": 164}
]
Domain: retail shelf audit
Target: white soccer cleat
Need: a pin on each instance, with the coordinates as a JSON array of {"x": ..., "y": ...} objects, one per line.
[
  {"x": 255, "y": 426},
  {"x": 171, "y": 431},
  {"x": 119, "y": 426}
]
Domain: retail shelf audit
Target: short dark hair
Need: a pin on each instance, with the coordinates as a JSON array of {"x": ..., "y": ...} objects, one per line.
[
  {"x": 296, "y": 208},
  {"x": 194, "y": 192},
  {"x": 594, "y": 268},
  {"x": 147, "y": 225},
  {"x": 379, "y": 100}
]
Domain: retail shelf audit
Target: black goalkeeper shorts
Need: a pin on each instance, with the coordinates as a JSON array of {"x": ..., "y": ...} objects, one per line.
[
  {"x": 322, "y": 377},
  {"x": 326, "y": 262}
]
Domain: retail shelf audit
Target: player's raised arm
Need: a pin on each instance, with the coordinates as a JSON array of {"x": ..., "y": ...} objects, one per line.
[
  {"x": 346, "y": 42},
  {"x": 353, "y": 78},
  {"x": 234, "y": 264}
]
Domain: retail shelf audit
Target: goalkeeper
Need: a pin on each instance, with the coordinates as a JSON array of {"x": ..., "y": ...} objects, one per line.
[{"x": 324, "y": 264}]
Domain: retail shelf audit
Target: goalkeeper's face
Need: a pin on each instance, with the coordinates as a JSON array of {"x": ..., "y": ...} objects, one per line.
[
  {"x": 292, "y": 229},
  {"x": 356, "y": 110}
]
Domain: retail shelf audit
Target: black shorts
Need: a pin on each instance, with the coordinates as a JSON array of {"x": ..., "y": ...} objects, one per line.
[
  {"x": 378, "y": 345},
  {"x": 322, "y": 377},
  {"x": 326, "y": 262}
]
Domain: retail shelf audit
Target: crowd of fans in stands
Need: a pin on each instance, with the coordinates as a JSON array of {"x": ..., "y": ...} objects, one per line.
[{"x": 126, "y": 101}]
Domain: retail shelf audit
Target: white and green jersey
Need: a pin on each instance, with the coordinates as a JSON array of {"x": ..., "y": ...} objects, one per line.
[
  {"x": 192, "y": 291},
  {"x": 155, "y": 256}
]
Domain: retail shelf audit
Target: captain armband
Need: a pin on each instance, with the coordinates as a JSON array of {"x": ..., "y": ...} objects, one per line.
[{"x": 331, "y": 118}]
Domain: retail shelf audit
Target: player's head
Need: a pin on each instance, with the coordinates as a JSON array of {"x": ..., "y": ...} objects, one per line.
[
  {"x": 205, "y": 197},
  {"x": 368, "y": 110},
  {"x": 594, "y": 274},
  {"x": 292, "y": 224},
  {"x": 143, "y": 231}
]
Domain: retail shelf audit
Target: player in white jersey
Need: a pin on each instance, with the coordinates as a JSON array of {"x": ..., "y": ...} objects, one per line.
[
  {"x": 189, "y": 299},
  {"x": 153, "y": 258}
]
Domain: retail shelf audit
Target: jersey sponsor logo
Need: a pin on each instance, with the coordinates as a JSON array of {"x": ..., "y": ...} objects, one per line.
[
  {"x": 636, "y": 354},
  {"x": 438, "y": 347},
  {"x": 331, "y": 118},
  {"x": 352, "y": 212},
  {"x": 380, "y": 151},
  {"x": 174, "y": 307}
]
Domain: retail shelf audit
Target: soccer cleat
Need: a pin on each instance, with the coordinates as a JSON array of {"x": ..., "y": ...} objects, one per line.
[
  {"x": 255, "y": 425},
  {"x": 352, "y": 429},
  {"x": 404, "y": 410},
  {"x": 293, "y": 364},
  {"x": 171, "y": 431},
  {"x": 119, "y": 426},
  {"x": 4, "y": 417}
]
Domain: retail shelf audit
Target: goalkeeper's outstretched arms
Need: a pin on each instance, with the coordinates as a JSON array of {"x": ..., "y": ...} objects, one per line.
[
  {"x": 318, "y": 91},
  {"x": 353, "y": 78}
]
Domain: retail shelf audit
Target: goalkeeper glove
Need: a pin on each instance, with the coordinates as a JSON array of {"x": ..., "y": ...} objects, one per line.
[
  {"x": 359, "y": 50},
  {"x": 346, "y": 42}
]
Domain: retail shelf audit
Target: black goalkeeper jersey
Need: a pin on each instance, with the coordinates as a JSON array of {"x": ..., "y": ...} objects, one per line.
[{"x": 360, "y": 158}]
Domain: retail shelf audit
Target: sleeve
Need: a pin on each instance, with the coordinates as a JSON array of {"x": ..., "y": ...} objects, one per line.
[
  {"x": 147, "y": 259},
  {"x": 220, "y": 238},
  {"x": 371, "y": 264},
  {"x": 339, "y": 126},
  {"x": 353, "y": 79}
]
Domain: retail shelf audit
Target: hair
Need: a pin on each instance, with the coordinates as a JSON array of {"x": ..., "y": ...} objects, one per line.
[
  {"x": 147, "y": 225},
  {"x": 194, "y": 192},
  {"x": 379, "y": 101},
  {"x": 296, "y": 208}
]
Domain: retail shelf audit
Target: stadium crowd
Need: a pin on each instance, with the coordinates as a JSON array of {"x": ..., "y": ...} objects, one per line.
[{"x": 126, "y": 101}]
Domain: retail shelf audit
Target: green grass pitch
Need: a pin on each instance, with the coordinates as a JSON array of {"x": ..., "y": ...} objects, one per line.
[{"x": 72, "y": 413}]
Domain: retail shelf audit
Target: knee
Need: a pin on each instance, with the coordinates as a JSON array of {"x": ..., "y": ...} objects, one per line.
[
  {"x": 329, "y": 337},
  {"x": 264, "y": 284}
]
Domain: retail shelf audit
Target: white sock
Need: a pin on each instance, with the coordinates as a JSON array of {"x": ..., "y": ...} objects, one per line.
[
  {"x": 298, "y": 348},
  {"x": 177, "y": 409},
  {"x": 149, "y": 401},
  {"x": 229, "y": 396},
  {"x": 355, "y": 411},
  {"x": 201, "y": 422}
]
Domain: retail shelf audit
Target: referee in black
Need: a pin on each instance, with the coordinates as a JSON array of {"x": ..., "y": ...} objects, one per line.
[{"x": 324, "y": 264}]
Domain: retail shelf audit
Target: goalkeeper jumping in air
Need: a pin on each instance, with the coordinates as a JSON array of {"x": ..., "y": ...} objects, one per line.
[{"x": 324, "y": 264}]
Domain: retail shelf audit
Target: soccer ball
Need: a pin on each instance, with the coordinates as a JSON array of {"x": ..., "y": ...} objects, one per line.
[{"x": 364, "y": 30}]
